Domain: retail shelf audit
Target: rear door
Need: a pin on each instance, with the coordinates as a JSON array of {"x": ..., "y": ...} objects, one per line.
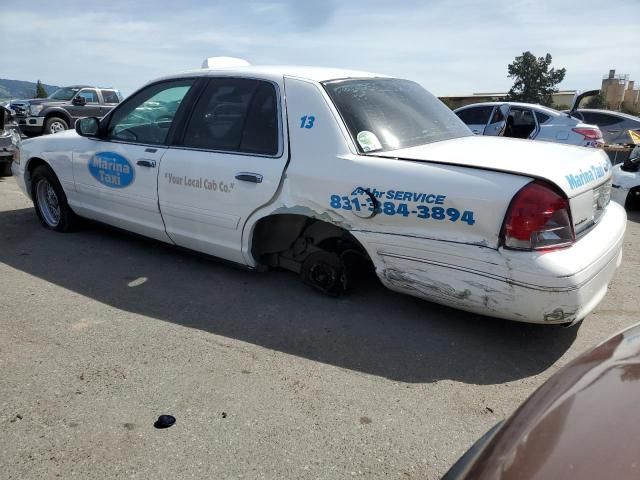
[
  {"x": 110, "y": 99},
  {"x": 227, "y": 163},
  {"x": 116, "y": 177}
]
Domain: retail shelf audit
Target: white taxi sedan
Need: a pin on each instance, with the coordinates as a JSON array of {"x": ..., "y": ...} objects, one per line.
[{"x": 319, "y": 171}]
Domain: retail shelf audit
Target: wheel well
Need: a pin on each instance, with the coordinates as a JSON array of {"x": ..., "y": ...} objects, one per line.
[
  {"x": 286, "y": 240},
  {"x": 61, "y": 115},
  {"x": 32, "y": 164}
]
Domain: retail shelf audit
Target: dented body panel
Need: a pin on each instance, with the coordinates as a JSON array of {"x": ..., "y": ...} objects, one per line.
[{"x": 428, "y": 217}]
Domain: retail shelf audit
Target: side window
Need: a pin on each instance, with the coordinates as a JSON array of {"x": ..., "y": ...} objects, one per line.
[
  {"x": 600, "y": 119},
  {"x": 110, "y": 96},
  {"x": 475, "y": 115},
  {"x": 542, "y": 117},
  {"x": 89, "y": 95},
  {"x": 235, "y": 114},
  {"x": 147, "y": 116}
]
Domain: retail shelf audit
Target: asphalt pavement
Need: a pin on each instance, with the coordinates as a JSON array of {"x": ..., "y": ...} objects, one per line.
[{"x": 101, "y": 332}]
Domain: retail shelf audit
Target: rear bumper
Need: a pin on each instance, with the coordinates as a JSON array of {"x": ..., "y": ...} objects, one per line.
[{"x": 561, "y": 286}]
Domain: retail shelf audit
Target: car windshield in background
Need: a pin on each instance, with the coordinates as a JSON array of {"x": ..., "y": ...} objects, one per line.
[
  {"x": 389, "y": 114},
  {"x": 64, "y": 94}
]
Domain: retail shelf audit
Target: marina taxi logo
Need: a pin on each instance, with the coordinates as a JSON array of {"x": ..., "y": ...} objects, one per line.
[{"x": 111, "y": 169}]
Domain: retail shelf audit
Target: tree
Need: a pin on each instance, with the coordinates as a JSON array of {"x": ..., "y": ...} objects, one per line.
[
  {"x": 40, "y": 91},
  {"x": 597, "y": 101},
  {"x": 534, "y": 82}
]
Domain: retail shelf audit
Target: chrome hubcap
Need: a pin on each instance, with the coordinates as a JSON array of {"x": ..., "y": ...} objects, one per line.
[
  {"x": 57, "y": 127},
  {"x": 48, "y": 203}
]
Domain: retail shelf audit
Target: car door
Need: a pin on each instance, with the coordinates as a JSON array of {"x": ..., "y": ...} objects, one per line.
[
  {"x": 90, "y": 108},
  {"x": 476, "y": 118},
  {"x": 497, "y": 123},
  {"x": 227, "y": 163},
  {"x": 116, "y": 176},
  {"x": 521, "y": 123},
  {"x": 110, "y": 100}
]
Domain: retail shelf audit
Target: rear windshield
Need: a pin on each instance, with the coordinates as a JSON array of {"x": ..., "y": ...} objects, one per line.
[{"x": 387, "y": 114}]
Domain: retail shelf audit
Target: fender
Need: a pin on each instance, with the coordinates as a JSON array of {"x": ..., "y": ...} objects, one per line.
[{"x": 57, "y": 112}]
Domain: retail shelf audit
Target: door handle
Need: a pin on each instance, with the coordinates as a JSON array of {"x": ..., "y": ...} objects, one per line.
[
  {"x": 146, "y": 163},
  {"x": 249, "y": 177}
]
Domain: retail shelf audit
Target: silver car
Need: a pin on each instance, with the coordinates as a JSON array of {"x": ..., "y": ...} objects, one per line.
[{"x": 525, "y": 120}]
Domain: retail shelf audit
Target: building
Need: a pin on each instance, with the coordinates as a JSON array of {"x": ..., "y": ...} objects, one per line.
[
  {"x": 619, "y": 92},
  {"x": 561, "y": 99}
]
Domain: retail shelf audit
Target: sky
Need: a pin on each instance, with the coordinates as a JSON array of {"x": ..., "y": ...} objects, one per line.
[{"x": 450, "y": 47}]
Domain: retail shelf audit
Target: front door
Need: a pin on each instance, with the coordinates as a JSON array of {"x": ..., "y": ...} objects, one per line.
[
  {"x": 228, "y": 163},
  {"x": 91, "y": 107},
  {"x": 497, "y": 123},
  {"x": 116, "y": 177}
]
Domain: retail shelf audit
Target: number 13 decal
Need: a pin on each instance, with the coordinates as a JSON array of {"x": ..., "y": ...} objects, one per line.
[{"x": 307, "y": 121}]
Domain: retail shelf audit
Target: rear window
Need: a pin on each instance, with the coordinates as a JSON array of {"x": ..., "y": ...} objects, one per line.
[
  {"x": 110, "y": 96},
  {"x": 475, "y": 115},
  {"x": 542, "y": 117},
  {"x": 389, "y": 114}
]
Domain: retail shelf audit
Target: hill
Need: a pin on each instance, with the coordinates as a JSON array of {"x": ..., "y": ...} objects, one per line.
[{"x": 13, "y": 89}]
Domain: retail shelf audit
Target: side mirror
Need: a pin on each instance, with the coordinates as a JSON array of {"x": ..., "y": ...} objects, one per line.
[
  {"x": 80, "y": 101},
  {"x": 88, "y": 127}
]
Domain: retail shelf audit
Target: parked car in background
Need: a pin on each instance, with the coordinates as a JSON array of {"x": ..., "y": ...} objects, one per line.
[
  {"x": 354, "y": 168},
  {"x": 581, "y": 424},
  {"x": 625, "y": 188},
  {"x": 525, "y": 120},
  {"x": 9, "y": 139},
  {"x": 614, "y": 126},
  {"x": 61, "y": 109}
]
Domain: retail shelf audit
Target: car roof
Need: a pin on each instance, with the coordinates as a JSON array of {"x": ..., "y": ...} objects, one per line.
[
  {"x": 276, "y": 72},
  {"x": 542, "y": 108},
  {"x": 610, "y": 112}
]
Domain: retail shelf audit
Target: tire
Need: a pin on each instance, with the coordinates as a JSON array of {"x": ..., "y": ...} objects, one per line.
[
  {"x": 55, "y": 125},
  {"x": 326, "y": 272},
  {"x": 50, "y": 201}
]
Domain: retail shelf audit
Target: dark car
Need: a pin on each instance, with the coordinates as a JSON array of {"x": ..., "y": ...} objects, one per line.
[
  {"x": 60, "y": 110},
  {"x": 9, "y": 140},
  {"x": 583, "y": 423},
  {"x": 614, "y": 126}
]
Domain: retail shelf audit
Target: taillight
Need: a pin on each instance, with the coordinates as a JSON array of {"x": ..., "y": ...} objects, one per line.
[
  {"x": 588, "y": 133},
  {"x": 538, "y": 218}
]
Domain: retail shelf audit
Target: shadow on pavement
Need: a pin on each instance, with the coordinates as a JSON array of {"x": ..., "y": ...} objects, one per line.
[
  {"x": 373, "y": 330},
  {"x": 633, "y": 215}
]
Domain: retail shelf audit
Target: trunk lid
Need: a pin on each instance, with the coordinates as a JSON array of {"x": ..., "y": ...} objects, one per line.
[
  {"x": 583, "y": 174},
  {"x": 574, "y": 170}
]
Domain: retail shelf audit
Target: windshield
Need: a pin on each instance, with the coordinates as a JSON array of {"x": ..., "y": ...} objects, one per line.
[
  {"x": 66, "y": 93},
  {"x": 389, "y": 114}
]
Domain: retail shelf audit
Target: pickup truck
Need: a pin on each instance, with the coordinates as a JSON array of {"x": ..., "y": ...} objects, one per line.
[
  {"x": 62, "y": 108},
  {"x": 330, "y": 173}
]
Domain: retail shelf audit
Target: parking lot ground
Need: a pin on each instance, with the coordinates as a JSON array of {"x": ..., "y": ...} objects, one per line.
[{"x": 101, "y": 332}]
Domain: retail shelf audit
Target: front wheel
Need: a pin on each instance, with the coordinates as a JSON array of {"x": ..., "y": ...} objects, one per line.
[
  {"x": 50, "y": 201},
  {"x": 55, "y": 125}
]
